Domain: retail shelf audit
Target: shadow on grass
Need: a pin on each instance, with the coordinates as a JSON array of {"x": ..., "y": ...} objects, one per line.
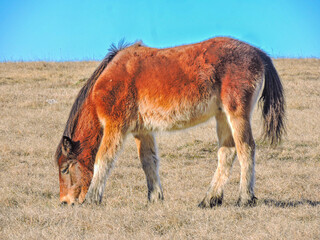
[{"x": 285, "y": 204}]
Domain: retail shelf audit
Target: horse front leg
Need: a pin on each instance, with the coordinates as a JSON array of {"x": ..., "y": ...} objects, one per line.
[
  {"x": 147, "y": 151},
  {"x": 109, "y": 147}
]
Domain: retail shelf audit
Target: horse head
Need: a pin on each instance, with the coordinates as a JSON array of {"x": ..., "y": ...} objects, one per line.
[{"x": 74, "y": 176}]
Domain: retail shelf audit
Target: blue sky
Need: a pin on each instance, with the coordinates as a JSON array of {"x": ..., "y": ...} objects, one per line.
[{"x": 58, "y": 30}]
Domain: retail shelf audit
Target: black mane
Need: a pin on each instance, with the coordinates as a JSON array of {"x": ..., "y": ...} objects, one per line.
[{"x": 84, "y": 92}]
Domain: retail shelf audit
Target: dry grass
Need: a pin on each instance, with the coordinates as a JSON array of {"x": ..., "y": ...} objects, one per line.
[{"x": 35, "y": 101}]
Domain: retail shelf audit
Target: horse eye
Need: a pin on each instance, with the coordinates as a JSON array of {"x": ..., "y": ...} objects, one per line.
[{"x": 65, "y": 170}]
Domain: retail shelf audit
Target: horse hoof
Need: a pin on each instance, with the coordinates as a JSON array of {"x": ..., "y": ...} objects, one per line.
[
  {"x": 214, "y": 202},
  {"x": 155, "y": 196},
  {"x": 93, "y": 197},
  {"x": 247, "y": 203}
]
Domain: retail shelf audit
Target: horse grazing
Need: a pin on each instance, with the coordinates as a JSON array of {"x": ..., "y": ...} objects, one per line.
[{"x": 141, "y": 90}]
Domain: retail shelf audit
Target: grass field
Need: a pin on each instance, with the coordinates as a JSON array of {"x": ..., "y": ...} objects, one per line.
[{"x": 35, "y": 100}]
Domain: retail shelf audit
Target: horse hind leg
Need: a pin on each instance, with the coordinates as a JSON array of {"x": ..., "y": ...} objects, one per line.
[
  {"x": 226, "y": 156},
  {"x": 245, "y": 146},
  {"x": 109, "y": 147},
  {"x": 147, "y": 151}
]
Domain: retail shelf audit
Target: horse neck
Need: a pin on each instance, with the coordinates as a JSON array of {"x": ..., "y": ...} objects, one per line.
[{"x": 89, "y": 132}]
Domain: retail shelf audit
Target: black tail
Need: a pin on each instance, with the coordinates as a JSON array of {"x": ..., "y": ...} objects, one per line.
[{"x": 273, "y": 109}]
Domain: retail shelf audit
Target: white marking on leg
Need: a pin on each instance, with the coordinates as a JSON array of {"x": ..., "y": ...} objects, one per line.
[{"x": 96, "y": 167}]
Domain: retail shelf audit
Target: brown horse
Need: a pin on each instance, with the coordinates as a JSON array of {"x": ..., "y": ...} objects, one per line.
[{"x": 142, "y": 90}]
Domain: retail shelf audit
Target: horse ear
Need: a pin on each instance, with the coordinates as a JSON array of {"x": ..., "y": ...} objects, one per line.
[{"x": 67, "y": 145}]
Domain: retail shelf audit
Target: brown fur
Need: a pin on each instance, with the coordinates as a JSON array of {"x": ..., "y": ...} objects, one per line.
[{"x": 141, "y": 90}]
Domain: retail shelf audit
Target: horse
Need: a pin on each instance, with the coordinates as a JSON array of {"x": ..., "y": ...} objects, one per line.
[{"x": 141, "y": 90}]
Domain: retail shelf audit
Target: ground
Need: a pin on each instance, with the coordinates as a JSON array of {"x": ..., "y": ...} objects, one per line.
[{"x": 35, "y": 100}]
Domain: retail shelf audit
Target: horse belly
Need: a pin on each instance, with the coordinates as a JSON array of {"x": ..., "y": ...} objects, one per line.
[{"x": 179, "y": 116}]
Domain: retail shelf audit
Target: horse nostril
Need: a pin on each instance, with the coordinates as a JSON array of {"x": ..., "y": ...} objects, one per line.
[{"x": 63, "y": 203}]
